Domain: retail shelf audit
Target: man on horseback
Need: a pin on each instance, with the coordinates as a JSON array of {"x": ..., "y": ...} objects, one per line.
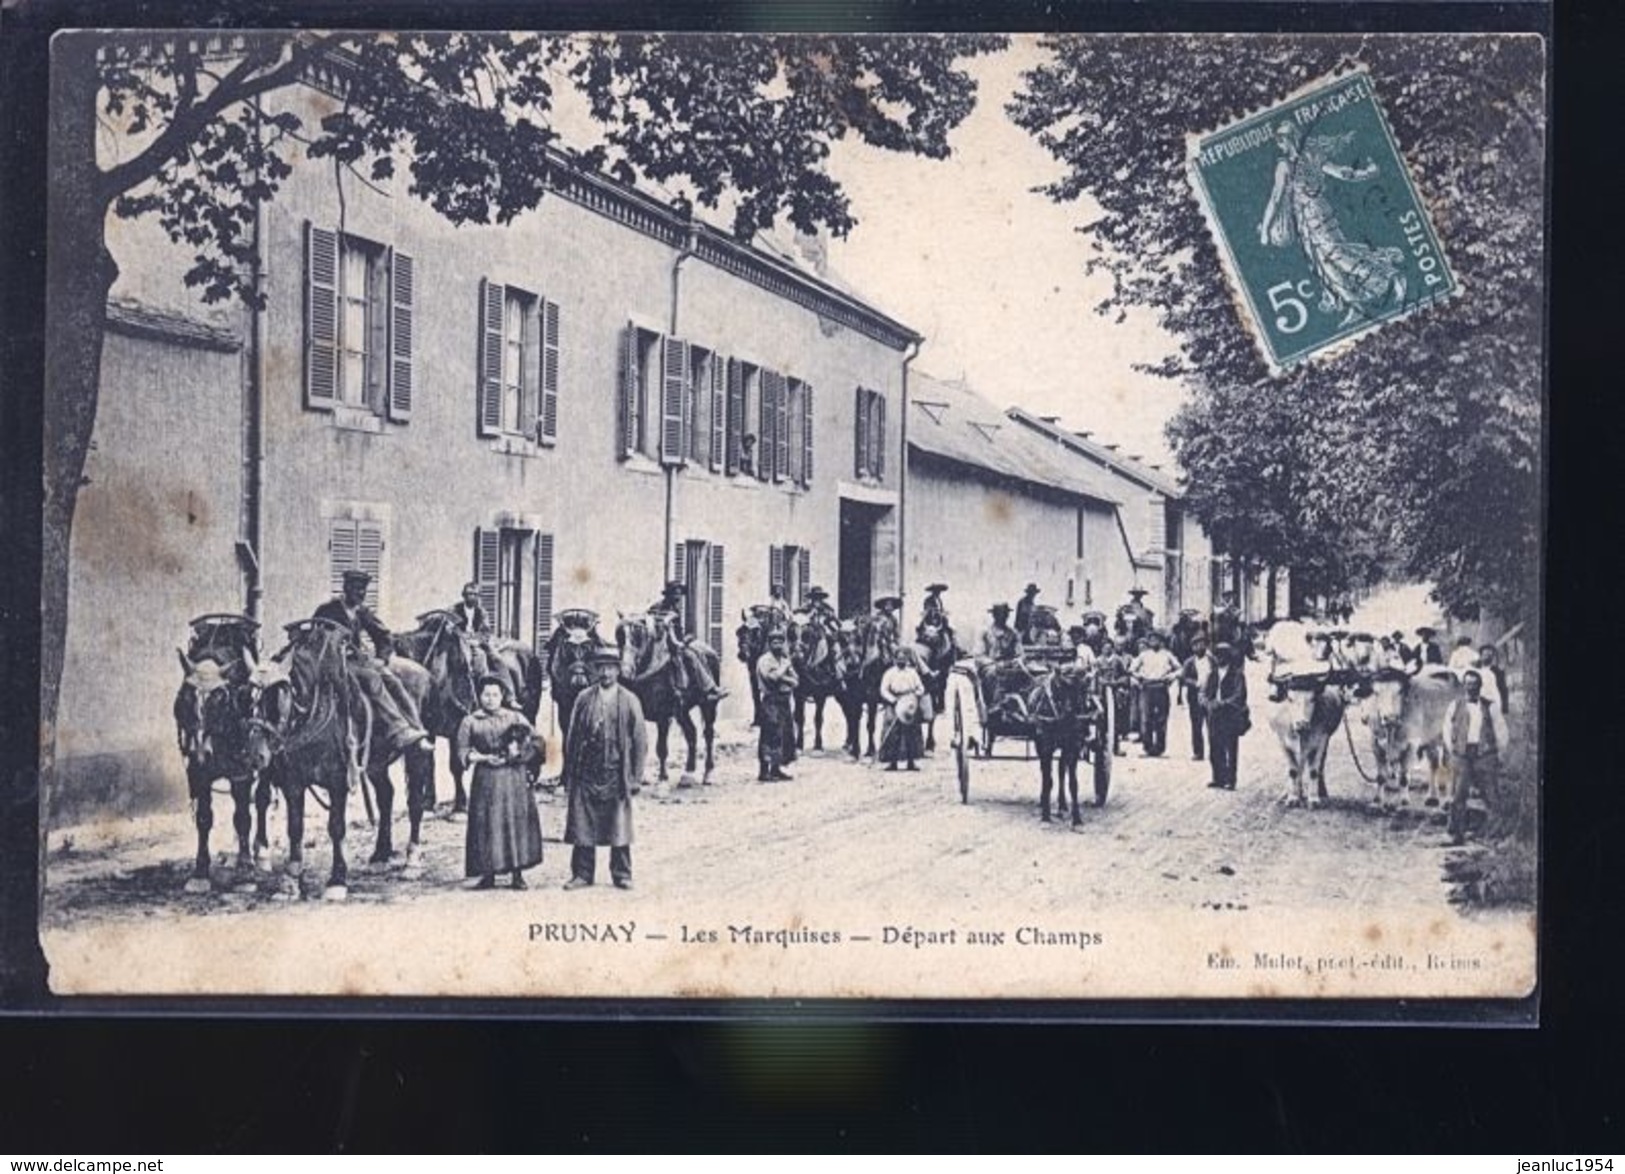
[
  {"x": 887, "y": 628},
  {"x": 483, "y": 644},
  {"x": 934, "y": 614},
  {"x": 1135, "y": 619},
  {"x": 690, "y": 665},
  {"x": 393, "y": 706},
  {"x": 818, "y": 607}
]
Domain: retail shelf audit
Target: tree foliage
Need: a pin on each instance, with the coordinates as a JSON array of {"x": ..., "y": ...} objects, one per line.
[
  {"x": 1414, "y": 452},
  {"x": 745, "y": 121}
]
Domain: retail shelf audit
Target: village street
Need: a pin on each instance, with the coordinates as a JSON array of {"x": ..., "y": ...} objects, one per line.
[{"x": 838, "y": 835}]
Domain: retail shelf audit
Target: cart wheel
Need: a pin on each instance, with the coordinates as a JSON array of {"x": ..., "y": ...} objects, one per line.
[
  {"x": 1102, "y": 771},
  {"x": 961, "y": 751}
]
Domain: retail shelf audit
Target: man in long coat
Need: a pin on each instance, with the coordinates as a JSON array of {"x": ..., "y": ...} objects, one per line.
[{"x": 603, "y": 768}]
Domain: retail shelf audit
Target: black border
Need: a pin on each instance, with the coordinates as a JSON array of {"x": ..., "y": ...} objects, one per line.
[{"x": 27, "y": 27}]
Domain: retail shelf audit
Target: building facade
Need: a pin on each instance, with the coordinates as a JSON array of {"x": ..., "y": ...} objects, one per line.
[{"x": 567, "y": 411}]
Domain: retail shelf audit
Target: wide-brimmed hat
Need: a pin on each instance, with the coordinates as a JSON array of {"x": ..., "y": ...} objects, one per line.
[
  {"x": 817, "y": 593},
  {"x": 889, "y": 601},
  {"x": 936, "y": 588},
  {"x": 1138, "y": 591},
  {"x": 673, "y": 587},
  {"x": 1425, "y": 632},
  {"x": 1032, "y": 589},
  {"x": 999, "y": 609}
]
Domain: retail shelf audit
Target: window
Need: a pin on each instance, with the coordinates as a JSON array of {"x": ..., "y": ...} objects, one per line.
[
  {"x": 701, "y": 567},
  {"x": 519, "y": 364},
  {"x": 790, "y": 568},
  {"x": 640, "y": 392},
  {"x": 359, "y": 325},
  {"x": 513, "y": 570},
  {"x": 355, "y": 544},
  {"x": 800, "y": 432},
  {"x": 705, "y": 407},
  {"x": 869, "y": 444}
]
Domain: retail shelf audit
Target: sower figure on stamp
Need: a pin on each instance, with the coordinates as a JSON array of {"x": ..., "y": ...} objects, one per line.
[
  {"x": 603, "y": 768},
  {"x": 690, "y": 665},
  {"x": 392, "y": 704},
  {"x": 1475, "y": 734},
  {"x": 776, "y": 681}
]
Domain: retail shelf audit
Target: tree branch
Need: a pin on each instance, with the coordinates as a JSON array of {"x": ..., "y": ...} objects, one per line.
[{"x": 238, "y": 86}]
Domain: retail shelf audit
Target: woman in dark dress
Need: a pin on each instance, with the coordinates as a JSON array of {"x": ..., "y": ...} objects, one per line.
[{"x": 504, "y": 831}]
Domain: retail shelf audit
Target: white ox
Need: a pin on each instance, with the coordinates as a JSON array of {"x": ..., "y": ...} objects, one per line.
[
  {"x": 1405, "y": 716},
  {"x": 1305, "y": 722}
]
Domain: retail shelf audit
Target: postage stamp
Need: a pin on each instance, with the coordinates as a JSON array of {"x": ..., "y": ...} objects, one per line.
[{"x": 1322, "y": 230}]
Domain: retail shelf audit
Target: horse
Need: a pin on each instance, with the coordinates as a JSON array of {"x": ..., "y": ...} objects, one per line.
[
  {"x": 750, "y": 641},
  {"x": 442, "y": 648},
  {"x": 1304, "y": 722},
  {"x": 820, "y": 662},
  {"x": 649, "y": 669},
  {"x": 313, "y": 727},
  {"x": 874, "y": 645},
  {"x": 212, "y": 709},
  {"x": 937, "y": 653},
  {"x": 1057, "y": 707},
  {"x": 1405, "y": 717},
  {"x": 568, "y": 659}
]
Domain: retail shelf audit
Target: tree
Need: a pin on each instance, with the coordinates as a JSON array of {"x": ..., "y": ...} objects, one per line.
[
  {"x": 749, "y": 120},
  {"x": 1421, "y": 441}
]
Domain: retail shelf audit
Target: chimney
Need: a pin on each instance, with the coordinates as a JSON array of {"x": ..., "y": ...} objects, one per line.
[
  {"x": 1052, "y": 420},
  {"x": 1082, "y": 434}
]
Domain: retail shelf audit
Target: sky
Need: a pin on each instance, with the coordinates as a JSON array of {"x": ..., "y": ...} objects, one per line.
[{"x": 992, "y": 273}]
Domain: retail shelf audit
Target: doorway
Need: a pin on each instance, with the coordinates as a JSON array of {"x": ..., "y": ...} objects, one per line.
[{"x": 868, "y": 555}]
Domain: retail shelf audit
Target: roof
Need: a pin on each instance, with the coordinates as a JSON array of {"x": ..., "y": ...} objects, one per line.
[
  {"x": 1100, "y": 456},
  {"x": 951, "y": 421}
]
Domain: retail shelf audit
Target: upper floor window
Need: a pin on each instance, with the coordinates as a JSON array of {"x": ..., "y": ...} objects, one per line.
[
  {"x": 359, "y": 325},
  {"x": 869, "y": 441},
  {"x": 519, "y": 364}
]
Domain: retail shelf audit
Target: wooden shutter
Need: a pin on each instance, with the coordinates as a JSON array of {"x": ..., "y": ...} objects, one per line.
[
  {"x": 673, "y": 382},
  {"x": 718, "y": 578},
  {"x": 781, "y": 424},
  {"x": 321, "y": 317},
  {"x": 679, "y": 563},
  {"x": 804, "y": 569},
  {"x": 860, "y": 443},
  {"x": 775, "y": 567},
  {"x": 487, "y": 563},
  {"x": 492, "y": 299},
  {"x": 1156, "y": 522},
  {"x": 626, "y": 397},
  {"x": 369, "y": 542},
  {"x": 879, "y": 435},
  {"x": 402, "y": 289},
  {"x": 548, "y": 429},
  {"x": 544, "y": 590},
  {"x": 530, "y": 377},
  {"x": 764, "y": 424},
  {"x": 718, "y": 392},
  {"x": 735, "y": 414},
  {"x": 341, "y": 547},
  {"x": 806, "y": 438},
  {"x": 697, "y": 404}
]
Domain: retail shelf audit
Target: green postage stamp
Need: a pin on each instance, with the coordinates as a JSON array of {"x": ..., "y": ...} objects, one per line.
[{"x": 1320, "y": 227}]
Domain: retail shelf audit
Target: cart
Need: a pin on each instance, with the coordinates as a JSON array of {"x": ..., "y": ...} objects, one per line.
[{"x": 987, "y": 703}]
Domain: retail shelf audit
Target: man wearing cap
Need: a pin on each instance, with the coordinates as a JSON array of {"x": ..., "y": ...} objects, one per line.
[
  {"x": 999, "y": 642},
  {"x": 689, "y": 663},
  {"x": 1024, "y": 610},
  {"x": 776, "y": 685},
  {"x": 1193, "y": 675},
  {"x": 392, "y": 705},
  {"x": 1154, "y": 670},
  {"x": 1474, "y": 735},
  {"x": 1429, "y": 652},
  {"x": 604, "y": 755}
]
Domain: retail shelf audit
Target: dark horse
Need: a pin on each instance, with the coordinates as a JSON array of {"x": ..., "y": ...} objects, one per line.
[
  {"x": 567, "y": 656},
  {"x": 311, "y": 724},
  {"x": 649, "y": 670},
  {"x": 443, "y": 647},
  {"x": 212, "y": 711},
  {"x": 750, "y": 641},
  {"x": 873, "y": 647},
  {"x": 821, "y": 661},
  {"x": 1060, "y": 705},
  {"x": 936, "y": 653}
]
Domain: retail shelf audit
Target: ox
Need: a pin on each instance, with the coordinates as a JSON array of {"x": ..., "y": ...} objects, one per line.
[
  {"x": 1405, "y": 716},
  {"x": 1305, "y": 721}
]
